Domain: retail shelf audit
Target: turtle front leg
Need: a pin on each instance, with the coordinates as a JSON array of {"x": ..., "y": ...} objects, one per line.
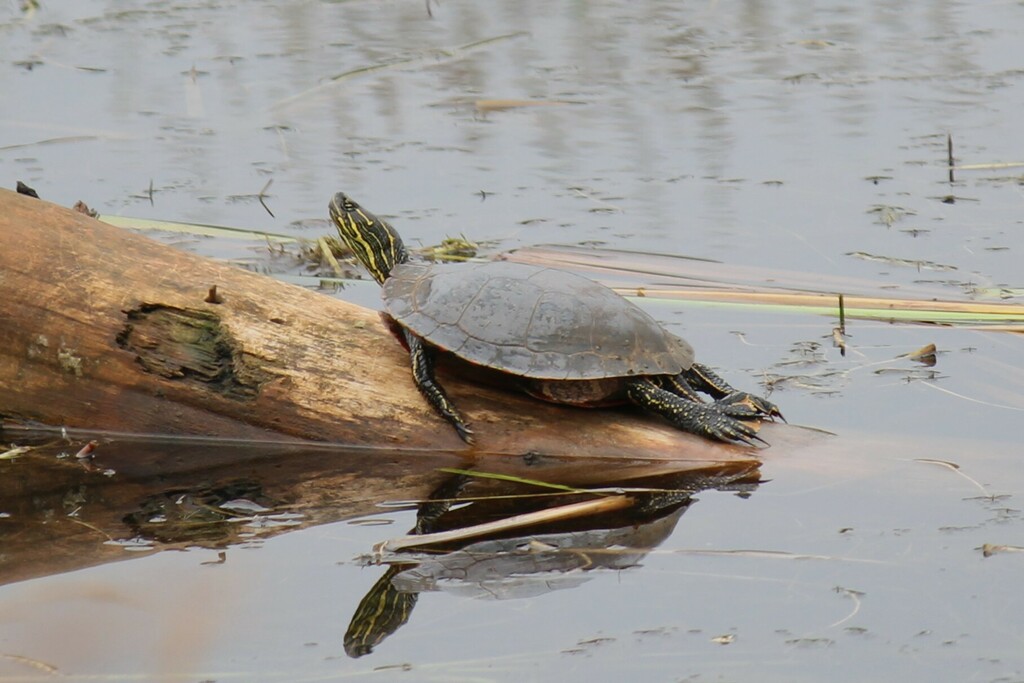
[
  {"x": 740, "y": 403},
  {"x": 422, "y": 359},
  {"x": 704, "y": 419}
]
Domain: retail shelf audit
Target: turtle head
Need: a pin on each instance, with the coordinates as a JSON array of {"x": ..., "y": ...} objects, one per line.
[{"x": 375, "y": 243}]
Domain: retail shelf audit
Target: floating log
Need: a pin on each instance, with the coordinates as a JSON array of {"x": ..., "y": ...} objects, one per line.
[{"x": 102, "y": 328}]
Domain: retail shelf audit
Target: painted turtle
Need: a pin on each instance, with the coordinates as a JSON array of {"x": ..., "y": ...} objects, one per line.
[{"x": 558, "y": 336}]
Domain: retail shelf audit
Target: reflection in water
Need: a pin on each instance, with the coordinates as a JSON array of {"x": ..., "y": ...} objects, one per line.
[
  {"x": 552, "y": 556},
  {"x": 203, "y": 514},
  {"x": 63, "y": 514},
  {"x": 385, "y": 609},
  {"x": 132, "y": 497},
  {"x": 381, "y": 612}
]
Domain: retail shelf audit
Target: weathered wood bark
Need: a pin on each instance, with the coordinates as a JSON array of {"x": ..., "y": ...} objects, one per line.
[{"x": 101, "y": 328}]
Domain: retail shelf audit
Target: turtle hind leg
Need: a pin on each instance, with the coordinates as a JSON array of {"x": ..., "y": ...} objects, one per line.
[
  {"x": 423, "y": 373},
  {"x": 703, "y": 419},
  {"x": 735, "y": 402},
  {"x": 680, "y": 386}
]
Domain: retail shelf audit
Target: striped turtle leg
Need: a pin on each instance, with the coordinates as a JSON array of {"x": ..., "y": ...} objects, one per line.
[
  {"x": 680, "y": 386},
  {"x": 735, "y": 404},
  {"x": 741, "y": 404},
  {"x": 423, "y": 373},
  {"x": 703, "y": 419}
]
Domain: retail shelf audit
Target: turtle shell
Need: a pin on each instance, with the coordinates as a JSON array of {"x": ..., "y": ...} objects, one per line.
[{"x": 531, "y": 321}]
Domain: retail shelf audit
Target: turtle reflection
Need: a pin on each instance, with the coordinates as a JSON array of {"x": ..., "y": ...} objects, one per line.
[{"x": 549, "y": 557}]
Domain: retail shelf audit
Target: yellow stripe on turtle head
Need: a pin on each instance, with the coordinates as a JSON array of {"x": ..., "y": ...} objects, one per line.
[{"x": 375, "y": 243}]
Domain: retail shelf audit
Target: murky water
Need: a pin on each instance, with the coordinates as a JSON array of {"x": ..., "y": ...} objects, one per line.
[{"x": 785, "y": 135}]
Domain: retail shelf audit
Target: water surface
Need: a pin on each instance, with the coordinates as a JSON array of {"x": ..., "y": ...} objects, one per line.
[{"x": 785, "y": 135}]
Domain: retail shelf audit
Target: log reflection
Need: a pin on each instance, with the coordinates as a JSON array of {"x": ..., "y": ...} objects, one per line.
[
  {"x": 502, "y": 526},
  {"x": 525, "y": 560}
]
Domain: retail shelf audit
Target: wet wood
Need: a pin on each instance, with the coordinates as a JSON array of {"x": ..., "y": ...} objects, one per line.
[{"x": 104, "y": 329}]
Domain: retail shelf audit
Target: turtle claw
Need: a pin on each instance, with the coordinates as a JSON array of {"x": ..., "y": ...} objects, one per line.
[
  {"x": 728, "y": 420},
  {"x": 733, "y": 424},
  {"x": 743, "y": 440},
  {"x": 740, "y": 411},
  {"x": 741, "y": 404},
  {"x": 732, "y": 430},
  {"x": 465, "y": 433},
  {"x": 746, "y": 437}
]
